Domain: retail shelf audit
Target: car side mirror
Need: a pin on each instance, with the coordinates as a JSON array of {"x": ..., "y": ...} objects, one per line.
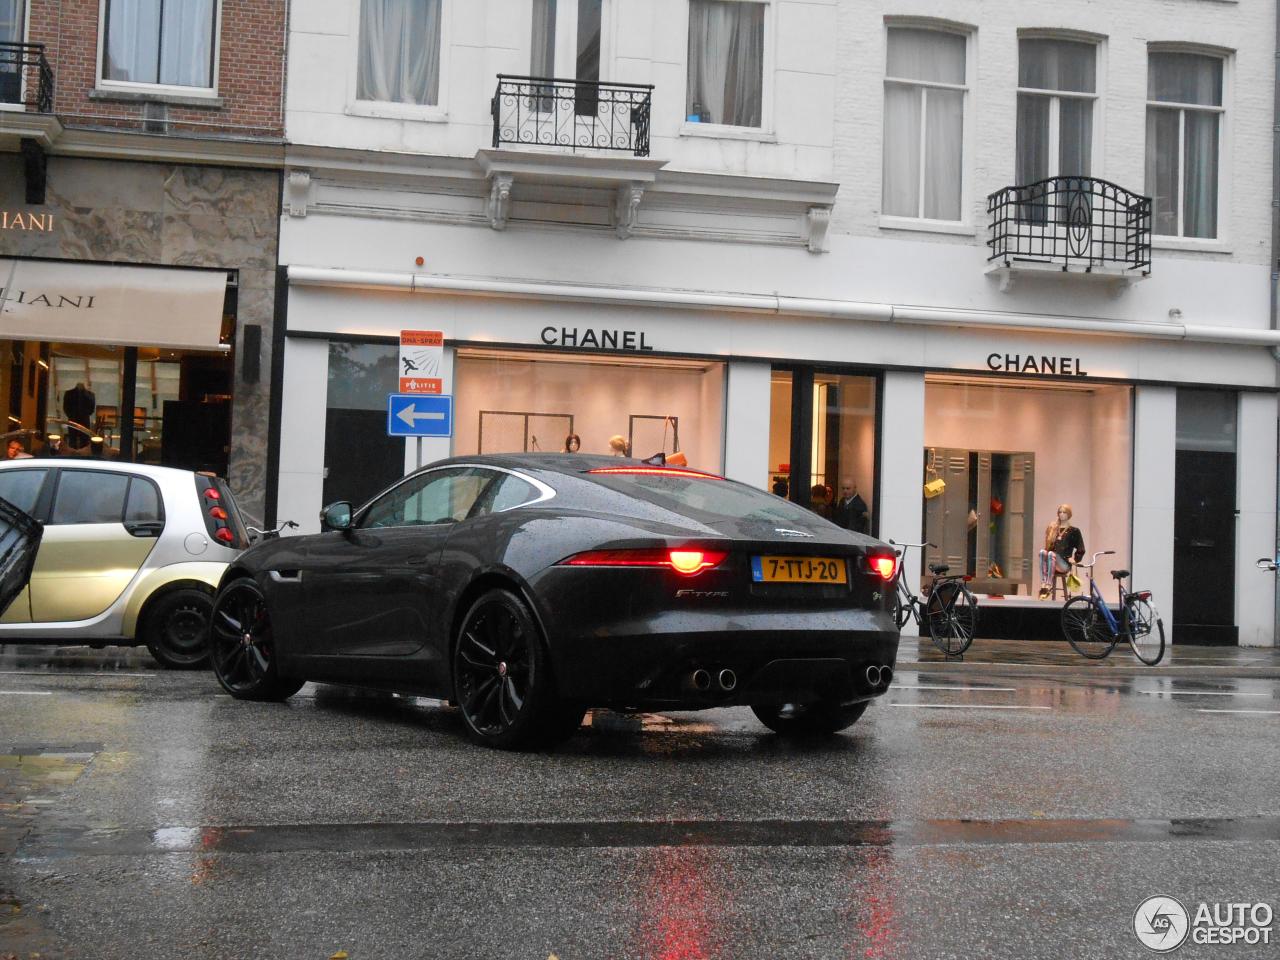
[{"x": 336, "y": 516}]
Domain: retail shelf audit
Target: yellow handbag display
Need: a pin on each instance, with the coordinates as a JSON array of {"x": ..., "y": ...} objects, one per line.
[
  {"x": 1073, "y": 582},
  {"x": 933, "y": 484}
]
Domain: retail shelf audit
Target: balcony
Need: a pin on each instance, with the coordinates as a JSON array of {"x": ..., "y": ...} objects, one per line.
[
  {"x": 1070, "y": 225},
  {"x": 26, "y": 77},
  {"x": 577, "y": 114}
]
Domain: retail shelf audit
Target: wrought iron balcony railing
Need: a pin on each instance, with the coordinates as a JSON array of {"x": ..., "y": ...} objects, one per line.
[
  {"x": 25, "y": 76},
  {"x": 1074, "y": 222},
  {"x": 578, "y": 114}
]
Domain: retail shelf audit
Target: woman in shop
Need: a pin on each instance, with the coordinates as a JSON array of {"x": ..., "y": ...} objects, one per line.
[{"x": 1063, "y": 548}]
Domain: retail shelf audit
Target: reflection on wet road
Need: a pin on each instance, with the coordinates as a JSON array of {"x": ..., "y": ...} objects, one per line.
[{"x": 1018, "y": 807}]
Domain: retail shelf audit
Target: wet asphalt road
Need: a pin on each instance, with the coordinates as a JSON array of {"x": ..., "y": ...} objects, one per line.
[{"x": 979, "y": 810}]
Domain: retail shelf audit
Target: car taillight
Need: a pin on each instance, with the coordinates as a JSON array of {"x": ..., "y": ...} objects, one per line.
[
  {"x": 686, "y": 561},
  {"x": 218, "y": 506},
  {"x": 212, "y": 493},
  {"x": 656, "y": 472},
  {"x": 225, "y": 535},
  {"x": 886, "y": 565},
  {"x": 218, "y": 513},
  {"x": 1144, "y": 595}
]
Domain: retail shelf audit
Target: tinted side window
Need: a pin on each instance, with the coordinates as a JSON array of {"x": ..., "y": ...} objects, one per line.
[
  {"x": 22, "y": 487},
  {"x": 443, "y": 496},
  {"x": 85, "y": 496},
  {"x": 510, "y": 491},
  {"x": 143, "y": 503}
]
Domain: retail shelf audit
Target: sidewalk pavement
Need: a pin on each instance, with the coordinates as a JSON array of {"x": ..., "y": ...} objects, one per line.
[{"x": 1056, "y": 658}]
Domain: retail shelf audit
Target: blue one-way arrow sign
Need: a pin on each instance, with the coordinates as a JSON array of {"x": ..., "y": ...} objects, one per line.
[{"x": 419, "y": 415}]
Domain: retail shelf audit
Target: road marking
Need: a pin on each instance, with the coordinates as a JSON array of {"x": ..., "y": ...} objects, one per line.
[
  {"x": 1199, "y": 693},
  {"x": 1207, "y": 710},
  {"x": 71, "y": 673},
  {"x": 921, "y": 686},
  {"x": 27, "y": 693},
  {"x": 970, "y": 706}
]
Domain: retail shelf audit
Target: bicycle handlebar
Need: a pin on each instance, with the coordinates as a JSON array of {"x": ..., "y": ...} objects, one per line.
[
  {"x": 895, "y": 543},
  {"x": 1100, "y": 553}
]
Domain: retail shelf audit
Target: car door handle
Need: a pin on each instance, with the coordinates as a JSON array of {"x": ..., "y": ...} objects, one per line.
[
  {"x": 285, "y": 576},
  {"x": 418, "y": 560},
  {"x": 144, "y": 528}
]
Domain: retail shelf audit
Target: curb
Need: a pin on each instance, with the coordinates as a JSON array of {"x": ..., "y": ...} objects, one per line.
[{"x": 1100, "y": 671}]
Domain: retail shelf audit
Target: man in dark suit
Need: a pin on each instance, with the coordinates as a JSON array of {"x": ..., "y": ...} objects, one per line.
[{"x": 850, "y": 510}]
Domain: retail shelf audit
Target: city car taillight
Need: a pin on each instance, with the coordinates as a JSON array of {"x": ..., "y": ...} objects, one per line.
[
  {"x": 221, "y": 516},
  {"x": 689, "y": 562}
]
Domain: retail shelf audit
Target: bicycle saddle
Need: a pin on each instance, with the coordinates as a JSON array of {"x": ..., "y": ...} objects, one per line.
[
  {"x": 938, "y": 569},
  {"x": 1119, "y": 574}
]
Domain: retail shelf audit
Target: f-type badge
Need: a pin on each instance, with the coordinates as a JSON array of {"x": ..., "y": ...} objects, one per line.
[{"x": 788, "y": 532}]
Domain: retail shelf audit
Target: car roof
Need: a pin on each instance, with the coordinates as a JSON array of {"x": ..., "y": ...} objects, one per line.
[
  {"x": 108, "y": 466},
  {"x": 566, "y": 463}
]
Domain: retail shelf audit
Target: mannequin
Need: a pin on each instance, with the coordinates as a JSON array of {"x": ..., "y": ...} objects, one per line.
[
  {"x": 618, "y": 446},
  {"x": 1063, "y": 548},
  {"x": 572, "y": 443},
  {"x": 79, "y": 404}
]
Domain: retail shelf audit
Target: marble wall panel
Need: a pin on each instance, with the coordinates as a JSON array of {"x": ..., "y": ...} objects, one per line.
[{"x": 154, "y": 214}]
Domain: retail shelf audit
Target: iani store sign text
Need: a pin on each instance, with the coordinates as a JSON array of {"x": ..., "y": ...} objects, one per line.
[{"x": 17, "y": 220}]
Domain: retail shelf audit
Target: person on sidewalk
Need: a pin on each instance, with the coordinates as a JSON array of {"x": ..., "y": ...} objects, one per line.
[{"x": 1063, "y": 549}]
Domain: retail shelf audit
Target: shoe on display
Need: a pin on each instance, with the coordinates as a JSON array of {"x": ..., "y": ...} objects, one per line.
[{"x": 1044, "y": 591}]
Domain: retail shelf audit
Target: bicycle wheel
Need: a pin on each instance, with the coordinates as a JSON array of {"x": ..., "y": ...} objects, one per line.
[
  {"x": 901, "y": 608},
  {"x": 1144, "y": 631},
  {"x": 953, "y": 617},
  {"x": 1086, "y": 629}
]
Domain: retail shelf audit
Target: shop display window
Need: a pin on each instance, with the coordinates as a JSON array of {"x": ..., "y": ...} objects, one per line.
[
  {"x": 168, "y": 407},
  {"x": 512, "y": 402},
  {"x": 822, "y": 444},
  {"x": 1002, "y": 457},
  {"x": 359, "y": 458}
]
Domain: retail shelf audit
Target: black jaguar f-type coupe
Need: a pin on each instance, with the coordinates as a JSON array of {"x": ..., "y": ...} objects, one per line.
[{"x": 527, "y": 588}]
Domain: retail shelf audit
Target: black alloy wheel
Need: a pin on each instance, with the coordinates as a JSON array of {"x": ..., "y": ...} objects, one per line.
[
  {"x": 502, "y": 680},
  {"x": 175, "y": 628},
  {"x": 242, "y": 646},
  {"x": 809, "y": 719}
]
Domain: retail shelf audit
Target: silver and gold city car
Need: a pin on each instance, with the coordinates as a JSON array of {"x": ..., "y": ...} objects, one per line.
[{"x": 130, "y": 554}]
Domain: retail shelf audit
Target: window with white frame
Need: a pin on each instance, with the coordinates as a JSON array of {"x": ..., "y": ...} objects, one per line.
[
  {"x": 566, "y": 39},
  {"x": 1184, "y": 142},
  {"x": 11, "y": 30},
  {"x": 726, "y": 63},
  {"x": 1057, "y": 86},
  {"x": 165, "y": 42},
  {"x": 11, "y": 21},
  {"x": 925, "y": 88},
  {"x": 399, "y": 60}
]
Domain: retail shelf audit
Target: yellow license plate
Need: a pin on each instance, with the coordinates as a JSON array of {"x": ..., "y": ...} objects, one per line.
[{"x": 797, "y": 570}]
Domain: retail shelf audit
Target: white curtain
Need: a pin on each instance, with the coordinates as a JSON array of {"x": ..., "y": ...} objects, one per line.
[
  {"x": 542, "y": 60},
  {"x": 133, "y": 41},
  {"x": 1200, "y": 199},
  {"x": 399, "y": 51},
  {"x": 186, "y": 43},
  {"x": 936, "y": 57},
  {"x": 1032, "y": 148},
  {"x": 11, "y": 18},
  {"x": 1057, "y": 65},
  {"x": 726, "y": 62},
  {"x": 1185, "y": 78}
]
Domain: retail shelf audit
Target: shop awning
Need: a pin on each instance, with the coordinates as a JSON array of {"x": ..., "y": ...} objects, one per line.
[{"x": 111, "y": 304}]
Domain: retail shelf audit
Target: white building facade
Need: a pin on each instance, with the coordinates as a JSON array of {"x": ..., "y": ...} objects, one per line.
[{"x": 1020, "y": 248}]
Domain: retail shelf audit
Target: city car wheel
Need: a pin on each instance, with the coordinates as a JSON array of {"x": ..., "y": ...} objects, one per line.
[
  {"x": 242, "y": 646},
  {"x": 809, "y": 719},
  {"x": 502, "y": 680},
  {"x": 175, "y": 628}
]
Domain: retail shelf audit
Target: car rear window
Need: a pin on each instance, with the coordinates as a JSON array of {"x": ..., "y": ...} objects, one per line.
[
  {"x": 143, "y": 504},
  {"x": 707, "y": 499},
  {"x": 21, "y": 487},
  {"x": 87, "y": 496}
]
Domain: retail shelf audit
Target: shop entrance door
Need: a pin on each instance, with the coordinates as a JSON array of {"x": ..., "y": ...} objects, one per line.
[
  {"x": 823, "y": 441},
  {"x": 1204, "y": 536},
  {"x": 1204, "y": 518}
]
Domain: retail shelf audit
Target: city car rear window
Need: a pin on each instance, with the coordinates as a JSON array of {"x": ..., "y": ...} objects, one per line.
[{"x": 703, "y": 496}]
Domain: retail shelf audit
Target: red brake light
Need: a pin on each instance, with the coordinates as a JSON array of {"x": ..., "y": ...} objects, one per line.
[
  {"x": 1144, "y": 595},
  {"x": 224, "y": 534},
  {"x": 884, "y": 565},
  {"x": 657, "y": 472},
  {"x": 212, "y": 493},
  {"x": 687, "y": 562},
  {"x": 218, "y": 513}
]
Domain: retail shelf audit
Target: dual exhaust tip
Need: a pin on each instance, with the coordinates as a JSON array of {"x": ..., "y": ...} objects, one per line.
[
  {"x": 701, "y": 679},
  {"x": 878, "y": 676}
]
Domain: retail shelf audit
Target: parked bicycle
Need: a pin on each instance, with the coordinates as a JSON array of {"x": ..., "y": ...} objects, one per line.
[
  {"x": 1093, "y": 630},
  {"x": 948, "y": 609}
]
